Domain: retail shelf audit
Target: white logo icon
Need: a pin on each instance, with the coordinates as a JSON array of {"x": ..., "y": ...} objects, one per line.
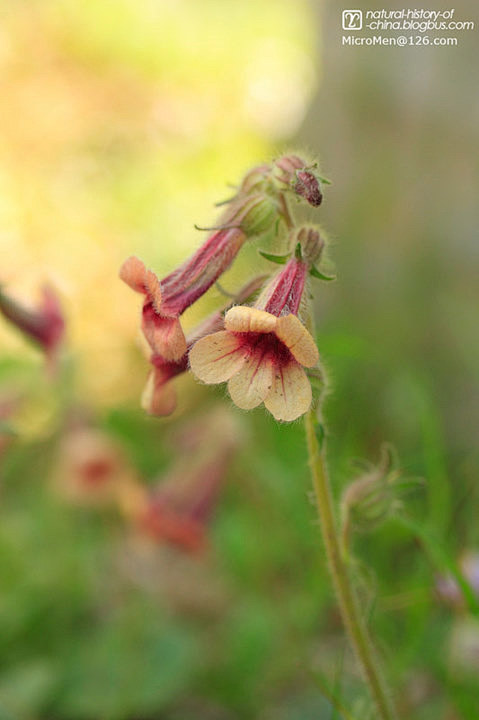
[{"x": 352, "y": 19}]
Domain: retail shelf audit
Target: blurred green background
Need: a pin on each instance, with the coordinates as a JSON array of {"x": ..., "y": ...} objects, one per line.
[{"x": 121, "y": 125}]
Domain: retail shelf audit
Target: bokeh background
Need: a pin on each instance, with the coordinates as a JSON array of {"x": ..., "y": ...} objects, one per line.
[{"x": 121, "y": 124}]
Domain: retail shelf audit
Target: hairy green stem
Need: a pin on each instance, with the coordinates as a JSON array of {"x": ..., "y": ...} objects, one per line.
[{"x": 345, "y": 593}]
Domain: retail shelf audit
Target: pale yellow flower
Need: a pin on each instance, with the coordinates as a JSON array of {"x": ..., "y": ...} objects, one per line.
[{"x": 262, "y": 357}]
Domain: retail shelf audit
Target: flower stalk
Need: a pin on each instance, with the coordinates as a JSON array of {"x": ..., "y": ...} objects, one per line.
[{"x": 348, "y": 603}]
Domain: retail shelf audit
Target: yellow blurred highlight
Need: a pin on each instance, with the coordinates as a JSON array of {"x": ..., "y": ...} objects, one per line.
[{"x": 120, "y": 126}]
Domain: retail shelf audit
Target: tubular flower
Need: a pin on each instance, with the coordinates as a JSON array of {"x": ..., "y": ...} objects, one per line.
[
  {"x": 44, "y": 325},
  {"x": 179, "y": 510},
  {"x": 167, "y": 299},
  {"x": 263, "y": 349},
  {"x": 159, "y": 396}
]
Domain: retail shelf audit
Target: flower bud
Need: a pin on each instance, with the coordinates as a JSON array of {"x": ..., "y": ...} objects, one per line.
[
  {"x": 255, "y": 179},
  {"x": 311, "y": 242},
  {"x": 373, "y": 496},
  {"x": 289, "y": 164},
  {"x": 258, "y": 215},
  {"x": 307, "y": 186},
  {"x": 301, "y": 178}
]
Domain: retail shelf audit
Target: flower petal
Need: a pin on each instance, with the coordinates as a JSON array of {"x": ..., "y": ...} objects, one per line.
[
  {"x": 291, "y": 331},
  {"x": 249, "y": 387},
  {"x": 164, "y": 335},
  {"x": 158, "y": 397},
  {"x": 134, "y": 273},
  {"x": 217, "y": 357},
  {"x": 291, "y": 393},
  {"x": 153, "y": 289},
  {"x": 249, "y": 319}
]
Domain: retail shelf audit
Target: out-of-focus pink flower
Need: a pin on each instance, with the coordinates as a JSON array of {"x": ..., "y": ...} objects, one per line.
[
  {"x": 179, "y": 509},
  {"x": 45, "y": 325},
  {"x": 263, "y": 349},
  {"x": 90, "y": 468},
  {"x": 165, "y": 524}
]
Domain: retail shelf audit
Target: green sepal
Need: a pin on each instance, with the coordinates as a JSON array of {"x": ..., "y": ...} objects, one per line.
[
  {"x": 321, "y": 179},
  {"x": 225, "y": 202},
  {"x": 278, "y": 259},
  {"x": 216, "y": 227},
  {"x": 317, "y": 274},
  {"x": 297, "y": 252}
]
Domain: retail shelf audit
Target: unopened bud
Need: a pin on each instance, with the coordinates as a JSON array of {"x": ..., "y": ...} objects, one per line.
[
  {"x": 289, "y": 164},
  {"x": 301, "y": 178},
  {"x": 373, "y": 496},
  {"x": 258, "y": 215},
  {"x": 307, "y": 186},
  {"x": 311, "y": 242},
  {"x": 255, "y": 179}
]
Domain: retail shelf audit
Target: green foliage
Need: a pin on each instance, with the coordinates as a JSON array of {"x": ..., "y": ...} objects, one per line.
[{"x": 95, "y": 626}]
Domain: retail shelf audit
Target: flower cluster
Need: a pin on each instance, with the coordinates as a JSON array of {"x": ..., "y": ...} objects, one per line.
[{"x": 259, "y": 345}]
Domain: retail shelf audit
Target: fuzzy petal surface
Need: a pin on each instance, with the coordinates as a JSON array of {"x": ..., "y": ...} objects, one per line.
[
  {"x": 217, "y": 357},
  {"x": 251, "y": 384},
  {"x": 134, "y": 273},
  {"x": 244, "y": 319},
  {"x": 290, "y": 397},
  {"x": 291, "y": 331},
  {"x": 164, "y": 335},
  {"x": 158, "y": 397}
]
